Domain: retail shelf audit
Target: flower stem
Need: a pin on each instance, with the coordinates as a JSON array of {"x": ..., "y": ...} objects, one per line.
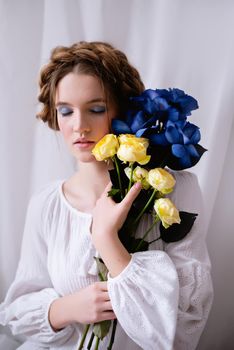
[
  {"x": 84, "y": 337},
  {"x": 119, "y": 178},
  {"x": 145, "y": 235},
  {"x": 112, "y": 335},
  {"x": 90, "y": 341},
  {"x": 101, "y": 277},
  {"x": 97, "y": 343},
  {"x": 130, "y": 180},
  {"x": 145, "y": 207},
  {"x": 156, "y": 239}
]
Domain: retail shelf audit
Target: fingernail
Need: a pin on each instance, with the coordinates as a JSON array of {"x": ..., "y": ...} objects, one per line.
[{"x": 138, "y": 185}]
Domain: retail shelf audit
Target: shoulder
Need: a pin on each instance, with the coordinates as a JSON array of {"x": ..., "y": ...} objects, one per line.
[
  {"x": 185, "y": 178},
  {"x": 187, "y": 193},
  {"x": 45, "y": 192},
  {"x": 39, "y": 209},
  {"x": 43, "y": 199},
  {"x": 47, "y": 189}
]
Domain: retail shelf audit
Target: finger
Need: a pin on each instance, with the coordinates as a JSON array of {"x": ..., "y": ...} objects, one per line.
[
  {"x": 106, "y": 190},
  {"x": 131, "y": 195},
  {"x": 105, "y": 296},
  {"x": 102, "y": 285},
  {"x": 107, "y": 306},
  {"x": 108, "y": 187},
  {"x": 107, "y": 315}
]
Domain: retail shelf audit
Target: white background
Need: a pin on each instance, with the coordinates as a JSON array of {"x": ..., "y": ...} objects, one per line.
[{"x": 174, "y": 43}]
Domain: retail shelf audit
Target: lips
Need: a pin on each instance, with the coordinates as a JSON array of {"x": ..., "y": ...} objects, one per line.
[
  {"x": 83, "y": 144},
  {"x": 83, "y": 141}
]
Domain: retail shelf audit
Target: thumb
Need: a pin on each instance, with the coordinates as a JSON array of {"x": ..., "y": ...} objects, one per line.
[
  {"x": 106, "y": 190},
  {"x": 131, "y": 195}
]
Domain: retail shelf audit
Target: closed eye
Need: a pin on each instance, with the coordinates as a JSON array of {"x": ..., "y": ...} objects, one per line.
[
  {"x": 98, "y": 109},
  {"x": 65, "y": 111}
]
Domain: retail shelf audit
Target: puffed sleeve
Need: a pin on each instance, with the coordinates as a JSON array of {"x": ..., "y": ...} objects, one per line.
[
  {"x": 192, "y": 263},
  {"x": 26, "y": 306},
  {"x": 144, "y": 297}
]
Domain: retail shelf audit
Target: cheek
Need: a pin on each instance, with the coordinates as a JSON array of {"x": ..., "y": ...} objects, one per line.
[
  {"x": 63, "y": 127},
  {"x": 104, "y": 128},
  {"x": 112, "y": 115},
  {"x": 107, "y": 124}
]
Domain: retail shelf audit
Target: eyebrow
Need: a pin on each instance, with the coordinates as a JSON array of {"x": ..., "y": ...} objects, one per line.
[{"x": 61, "y": 103}]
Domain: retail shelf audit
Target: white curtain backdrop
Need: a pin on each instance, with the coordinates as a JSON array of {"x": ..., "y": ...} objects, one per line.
[{"x": 174, "y": 43}]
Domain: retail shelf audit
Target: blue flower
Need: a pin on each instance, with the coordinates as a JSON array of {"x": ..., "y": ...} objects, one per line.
[
  {"x": 154, "y": 106},
  {"x": 183, "y": 139},
  {"x": 175, "y": 140},
  {"x": 161, "y": 116}
]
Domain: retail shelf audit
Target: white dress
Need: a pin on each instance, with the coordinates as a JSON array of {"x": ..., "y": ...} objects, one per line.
[{"x": 162, "y": 298}]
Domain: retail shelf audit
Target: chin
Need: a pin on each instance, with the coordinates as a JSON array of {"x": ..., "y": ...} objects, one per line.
[{"x": 86, "y": 158}]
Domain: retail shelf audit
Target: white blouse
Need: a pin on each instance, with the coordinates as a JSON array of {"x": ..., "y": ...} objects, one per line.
[{"x": 161, "y": 299}]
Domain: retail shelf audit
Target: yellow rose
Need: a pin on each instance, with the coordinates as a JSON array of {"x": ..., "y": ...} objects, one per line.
[
  {"x": 167, "y": 212},
  {"x": 139, "y": 175},
  {"x": 106, "y": 148},
  {"x": 133, "y": 149},
  {"x": 162, "y": 180}
]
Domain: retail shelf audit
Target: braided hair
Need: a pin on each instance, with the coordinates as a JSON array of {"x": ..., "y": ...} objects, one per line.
[{"x": 118, "y": 77}]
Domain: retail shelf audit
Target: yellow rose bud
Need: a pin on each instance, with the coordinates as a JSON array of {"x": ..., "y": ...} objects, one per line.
[
  {"x": 161, "y": 180},
  {"x": 167, "y": 212},
  {"x": 139, "y": 175},
  {"x": 106, "y": 148},
  {"x": 133, "y": 149}
]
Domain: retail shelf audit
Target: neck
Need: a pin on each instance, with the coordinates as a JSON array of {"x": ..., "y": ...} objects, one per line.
[{"x": 93, "y": 176}]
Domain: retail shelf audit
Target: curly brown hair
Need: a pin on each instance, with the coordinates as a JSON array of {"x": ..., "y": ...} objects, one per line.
[{"x": 118, "y": 77}]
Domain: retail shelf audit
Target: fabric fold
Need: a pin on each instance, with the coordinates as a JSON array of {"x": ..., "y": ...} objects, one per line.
[{"x": 146, "y": 291}]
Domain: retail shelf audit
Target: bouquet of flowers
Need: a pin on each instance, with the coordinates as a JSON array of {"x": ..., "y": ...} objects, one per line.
[{"x": 155, "y": 134}]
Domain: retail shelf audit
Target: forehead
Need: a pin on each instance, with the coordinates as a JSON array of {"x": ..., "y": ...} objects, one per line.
[{"x": 79, "y": 88}]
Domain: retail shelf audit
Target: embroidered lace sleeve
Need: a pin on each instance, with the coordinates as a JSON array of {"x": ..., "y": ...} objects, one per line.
[{"x": 192, "y": 263}]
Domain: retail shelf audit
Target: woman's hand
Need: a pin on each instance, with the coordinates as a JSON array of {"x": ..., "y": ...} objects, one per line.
[
  {"x": 108, "y": 218},
  {"x": 89, "y": 305},
  {"x": 92, "y": 304}
]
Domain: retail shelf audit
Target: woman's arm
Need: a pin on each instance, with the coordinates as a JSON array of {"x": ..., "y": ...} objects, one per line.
[
  {"x": 108, "y": 218},
  {"x": 26, "y": 306},
  {"x": 143, "y": 287},
  {"x": 162, "y": 298},
  {"x": 193, "y": 267},
  {"x": 32, "y": 306}
]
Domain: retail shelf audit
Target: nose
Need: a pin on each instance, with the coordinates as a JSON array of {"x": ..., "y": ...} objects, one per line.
[{"x": 80, "y": 123}]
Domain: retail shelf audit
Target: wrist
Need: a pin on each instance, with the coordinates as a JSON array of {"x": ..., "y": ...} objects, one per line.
[
  {"x": 99, "y": 238},
  {"x": 113, "y": 253},
  {"x": 61, "y": 313}
]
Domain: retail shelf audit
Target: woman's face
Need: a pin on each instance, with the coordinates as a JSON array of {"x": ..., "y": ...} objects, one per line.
[{"x": 83, "y": 113}]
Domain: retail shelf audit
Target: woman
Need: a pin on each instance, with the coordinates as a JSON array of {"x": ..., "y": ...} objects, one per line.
[{"x": 160, "y": 297}]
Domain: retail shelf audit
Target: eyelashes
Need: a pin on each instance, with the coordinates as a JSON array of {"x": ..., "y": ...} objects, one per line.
[
  {"x": 98, "y": 109},
  {"x": 67, "y": 111}
]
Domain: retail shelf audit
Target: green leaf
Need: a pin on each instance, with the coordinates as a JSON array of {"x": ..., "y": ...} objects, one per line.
[
  {"x": 113, "y": 192},
  {"x": 130, "y": 242},
  {"x": 101, "y": 329},
  {"x": 176, "y": 232},
  {"x": 102, "y": 269}
]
